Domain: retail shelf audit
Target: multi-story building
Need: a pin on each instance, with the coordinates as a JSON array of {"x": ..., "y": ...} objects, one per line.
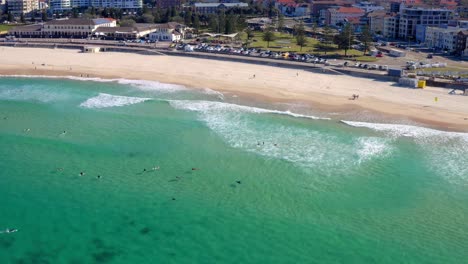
[
  {"x": 368, "y": 7},
  {"x": 323, "y": 5},
  {"x": 410, "y": 17},
  {"x": 58, "y": 5},
  {"x": 461, "y": 48},
  {"x": 68, "y": 28},
  {"x": 214, "y": 8},
  {"x": 391, "y": 25},
  {"x": 2, "y": 6},
  {"x": 376, "y": 21},
  {"x": 17, "y": 7},
  {"x": 342, "y": 15},
  {"x": 442, "y": 38}
]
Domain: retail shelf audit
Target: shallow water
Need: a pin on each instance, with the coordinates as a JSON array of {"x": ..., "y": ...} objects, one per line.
[{"x": 272, "y": 186}]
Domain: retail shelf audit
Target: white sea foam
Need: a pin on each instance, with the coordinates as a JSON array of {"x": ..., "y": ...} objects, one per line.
[
  {"x": 369, "y": 147},
  {"x": 140, "y": 84},
  {"x": 397, "y": 130},
  {"x": 446, "y": 153},
  {"x": 305, "y": 147},
  {"x": 107, "y": 100},
  {"x": 208, "y": 106}
]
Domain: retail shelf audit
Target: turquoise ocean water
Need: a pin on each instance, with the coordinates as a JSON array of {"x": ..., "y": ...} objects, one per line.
[{"x": 271, "y": 186}]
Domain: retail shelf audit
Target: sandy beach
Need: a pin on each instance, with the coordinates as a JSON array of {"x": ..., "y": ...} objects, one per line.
[{"x": 327, "y": 93}]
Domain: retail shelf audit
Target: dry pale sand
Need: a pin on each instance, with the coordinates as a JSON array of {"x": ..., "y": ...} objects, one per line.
[{"x": 320, "y": 91}]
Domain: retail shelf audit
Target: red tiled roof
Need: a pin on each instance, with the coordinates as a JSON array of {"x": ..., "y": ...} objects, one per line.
[
  {"x": 286, "y": 2},
  {"x": 350, "y": 10}
]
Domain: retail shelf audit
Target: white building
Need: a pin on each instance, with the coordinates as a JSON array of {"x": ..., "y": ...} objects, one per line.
[
  {"x": 60, "y": 5},
  {"x": 442, "y": 38},
  {"x": 17, "y": 7},
  {"x": 390, "y": 27},
  {"x": 343, "y": 14},
  {"x": 168, "y": 32},
  {"x": 410, "y": 17},
  {"x": 2, "y": 6},
  {"x": 67, "y": 28},
  {"x": 369, "y": 7}
]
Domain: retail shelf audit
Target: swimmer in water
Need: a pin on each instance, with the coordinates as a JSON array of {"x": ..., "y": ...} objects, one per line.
[
  {"x": 60, "y": 169},
  {"x": 82, "y": 173},
  {"x": 27, "y": 130},
  {"x": 194, "y": 169},
  {"x": 99, "y": 176},
  {"x": 238, "y": 182},
  {"x": 156, "y": 168}
]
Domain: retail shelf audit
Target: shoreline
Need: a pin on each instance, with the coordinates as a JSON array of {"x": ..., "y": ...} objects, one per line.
[{"x": 322, "y": 93}]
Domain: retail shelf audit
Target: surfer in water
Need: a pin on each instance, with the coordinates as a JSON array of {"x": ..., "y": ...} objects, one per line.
[{"x": 8, "y": 230}]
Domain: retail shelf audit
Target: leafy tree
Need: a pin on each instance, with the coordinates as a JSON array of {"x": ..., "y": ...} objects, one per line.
[
  {"x": 249, "y": 33},
  {"x": 366, "y": 38},
  {"x": 127, "y": 22},
  {"x": 280, "y": 24},
  {"x": 74, "y": 13},
  {"x": 188, "y": 18},
  {"x": 22, "y": 19},
  {"x": 268, "y": 36},
  {"x": 327, "y": 34},
  {"x": 345, "y": 38},
  {"x": 44, "y": 15},
  {"x": 301, "y": 38},
  {"x": 147, "y": 18},
  {"x": 313, "y": 28},
  {"x": 196, "y": 21},
  {"x": 213, "y": 23}
]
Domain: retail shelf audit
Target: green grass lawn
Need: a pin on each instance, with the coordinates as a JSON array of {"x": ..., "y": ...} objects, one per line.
[
  {"x": 287, "y": 43},
  {"x": 6, "y": 27}
]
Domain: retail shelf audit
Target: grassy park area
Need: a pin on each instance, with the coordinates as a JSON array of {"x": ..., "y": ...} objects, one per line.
[
  {"x": 4, "y": 28},
  {"x": 285, "y": 42}
]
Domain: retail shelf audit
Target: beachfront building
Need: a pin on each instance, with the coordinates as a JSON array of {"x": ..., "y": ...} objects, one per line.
[
  {"x": 442, "y": 38},
  {"x": 66, "y": 28},
  {"x": 390, "y": 28},
  {"x": 168, "y": 32},
  {"x": 292, "y": 9},
  {"x": 335, "y": 16},
  {"x": 322, "y": 5},
  {"x": 214, "y": 8},
  {"x": 410, "y": 17},
  {"x": 60, "y": 5},
  {"x": 461, "y": 47},
  {"x": 376, "y": 21},
  {"x": 368, "y": 7},
  {"x": 2, "y": 6},
  {"x": 18, "y": 7}
]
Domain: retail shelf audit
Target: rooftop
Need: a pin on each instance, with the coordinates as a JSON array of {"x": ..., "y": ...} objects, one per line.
[
  {"x": 350, "y": 10},
  {"x": 218, "y": 4}
]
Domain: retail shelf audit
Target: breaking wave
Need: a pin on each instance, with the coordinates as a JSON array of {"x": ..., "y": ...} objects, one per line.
[{"x": 107, "y": 100}]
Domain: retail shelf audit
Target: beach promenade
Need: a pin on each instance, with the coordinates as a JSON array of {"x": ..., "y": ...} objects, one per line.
[{"x": 378, "y": 99}]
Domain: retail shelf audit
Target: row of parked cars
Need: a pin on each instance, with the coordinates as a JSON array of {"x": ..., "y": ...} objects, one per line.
[
  {"x": 371, "y": 66},
  {"x": 252, "y": 52}
]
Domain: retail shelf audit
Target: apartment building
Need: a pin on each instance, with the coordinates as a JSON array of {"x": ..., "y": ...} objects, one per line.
[
  {"x": 343, "y": 14},
  {"x": 17, "y": 7},
  {"x": 214, "y": 8},
  {"x": 410, "y": 17},
  {"x": 461, "y": 48},
  {"x": 391, "y": 25},
  {"x": 2, "y": 6},
  {"x": 368, "y": 6},
  {"x": 59, "y": 5},
  {"x": 442, "y": 38}
]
